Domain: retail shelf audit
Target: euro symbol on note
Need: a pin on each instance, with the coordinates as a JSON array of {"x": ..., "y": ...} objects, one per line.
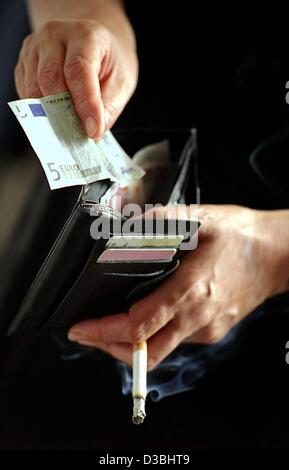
[{"x": 21, "y": 115}]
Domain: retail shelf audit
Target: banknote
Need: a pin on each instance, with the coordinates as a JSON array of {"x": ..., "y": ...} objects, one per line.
[
  {"x": 155, "y": 160},
  {"x": 67, "y": 155}
]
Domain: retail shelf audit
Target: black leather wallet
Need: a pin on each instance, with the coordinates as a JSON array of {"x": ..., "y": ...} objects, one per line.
[{"x": 71, "y": 285}]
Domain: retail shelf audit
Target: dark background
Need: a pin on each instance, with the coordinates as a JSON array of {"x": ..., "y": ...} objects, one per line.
[{"x": 222, "y": 70}]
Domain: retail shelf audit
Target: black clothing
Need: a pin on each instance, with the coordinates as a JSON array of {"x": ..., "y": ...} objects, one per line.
[{"x": 222, "y": 70}]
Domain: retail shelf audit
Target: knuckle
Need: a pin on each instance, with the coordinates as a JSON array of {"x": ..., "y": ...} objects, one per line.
[
  {"x": 49, "y": 74},
  {"x": 85, "y": 26},
  {"x": 82, "y": 25},
  {"x": 137, "y": 334},
  {"x": 200, "y": 291},
  {"x": 187, "y": 292},
  {"x": 158, "y": 318},
  {"x": 75, "y": 68},
  {"x": 92, "y": 29},
  {"x": 51, "y": 26},
  {"x": 174, "y": 299},
  {"x": 197, "y": 298},
  {"x": 33, "y": 90}
]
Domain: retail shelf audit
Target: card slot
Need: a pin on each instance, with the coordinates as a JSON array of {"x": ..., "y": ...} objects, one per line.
[
  {"x": 145, "y": 288},
  {"x": 145, "y": 268},
  {"x": 134, "y": 274},
  {"x": 102, "y": 293}
]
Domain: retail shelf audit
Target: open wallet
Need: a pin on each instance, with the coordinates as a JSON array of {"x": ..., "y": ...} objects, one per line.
[{"x": 87, "y": 275}]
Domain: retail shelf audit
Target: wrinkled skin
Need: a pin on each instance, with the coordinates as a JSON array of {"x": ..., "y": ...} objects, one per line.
[
  {"x": 84, "y": 57},
  {"x": 242, "y": 259}
]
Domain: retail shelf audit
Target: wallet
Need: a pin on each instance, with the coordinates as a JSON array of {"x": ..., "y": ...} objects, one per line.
[{"x": 77, "y": 279}]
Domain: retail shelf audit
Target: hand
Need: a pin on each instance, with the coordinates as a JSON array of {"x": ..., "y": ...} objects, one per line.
[
  {"x": 242, "y": 259},
  {"x": 84, "y": 57}
]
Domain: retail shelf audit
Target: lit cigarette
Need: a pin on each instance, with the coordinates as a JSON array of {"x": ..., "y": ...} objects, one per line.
[{"x": 139, "y": 381}]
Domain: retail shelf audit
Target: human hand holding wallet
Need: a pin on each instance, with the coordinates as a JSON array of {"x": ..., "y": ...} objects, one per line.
[{"x": 84, "y": 277}]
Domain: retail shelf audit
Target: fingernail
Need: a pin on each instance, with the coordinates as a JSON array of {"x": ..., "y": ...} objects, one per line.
[
  {"x": 75, "y": 335},
  {"x": 91, "y": 126}
]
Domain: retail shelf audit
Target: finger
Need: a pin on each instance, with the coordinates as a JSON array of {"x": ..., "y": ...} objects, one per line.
[
  {"x": 152, "y": 313},
  {"x": 180, "y": 295},
  {"x": 210, "y": 334},
  {"x": 163, "y": 343},
  {"x": 180, "y": 211},
  {"x": 26, "y": 70},
  {"x": 194, "y": 212},
  {"x": 106, "y": 329},
  {"x": 115, "y": 94},
  {"x": 144, "y": 319},
  {"x": 19, "y": 80},
  {"x": 50, "y": 74},
  {"x": 159, "y": 346},
  {"x": 177, "y": 295},
  {"x": 32, "y": 89},
  {"x": 121, "y": 351},
  {"x": 81, "y": 70}
]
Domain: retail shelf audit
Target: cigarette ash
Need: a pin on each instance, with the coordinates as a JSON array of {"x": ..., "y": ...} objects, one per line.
[{"x": 180, "y": 371}]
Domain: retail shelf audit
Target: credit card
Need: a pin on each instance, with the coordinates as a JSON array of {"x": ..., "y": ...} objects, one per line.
[
  {"x": 126, "y": 241},
  {"x": 136, "y": 255}
]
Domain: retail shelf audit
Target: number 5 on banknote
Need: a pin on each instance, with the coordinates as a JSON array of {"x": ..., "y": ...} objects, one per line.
[{"x": 54, "y": 171}]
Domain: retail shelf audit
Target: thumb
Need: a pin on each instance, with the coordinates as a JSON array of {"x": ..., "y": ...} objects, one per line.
[{"x": 199, "y": 213}]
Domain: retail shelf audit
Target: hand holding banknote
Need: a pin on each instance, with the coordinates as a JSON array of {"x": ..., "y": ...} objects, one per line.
[
  {"x": 94, "y": 60},
  {"x": 67, "y": 155}
]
